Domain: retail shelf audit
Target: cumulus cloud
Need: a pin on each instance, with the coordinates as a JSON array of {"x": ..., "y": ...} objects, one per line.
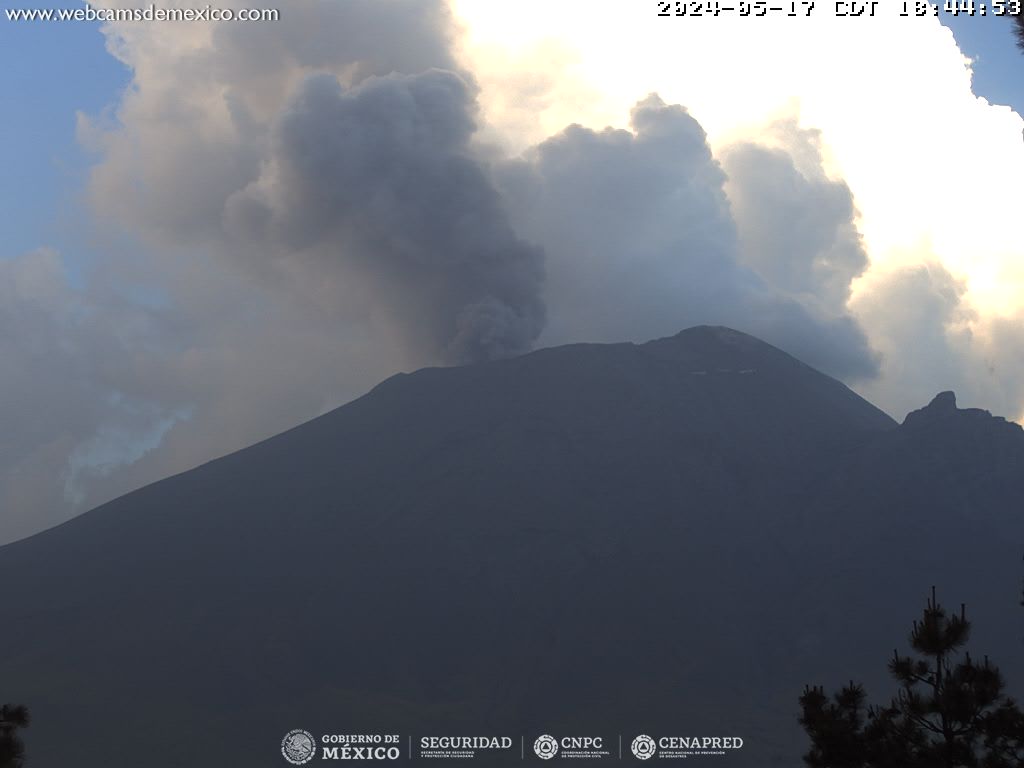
[
  {"x": 931, "y": 339},
  {"x": 641, "y": 239},
  {"x": 797, "y": 227}
]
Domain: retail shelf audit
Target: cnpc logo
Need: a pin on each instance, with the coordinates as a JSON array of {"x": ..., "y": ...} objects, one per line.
[{"x": 547, "y": 746}]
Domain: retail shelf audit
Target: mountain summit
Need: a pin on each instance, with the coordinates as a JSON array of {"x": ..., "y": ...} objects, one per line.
[{"x": 671, "y": 537}]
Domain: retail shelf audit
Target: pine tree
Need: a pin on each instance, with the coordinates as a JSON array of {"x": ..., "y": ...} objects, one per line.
[
  {"x": 950, "y": 712},
  {"x": 12, "y": 750},
  {"x": 1018, "y": 29}
]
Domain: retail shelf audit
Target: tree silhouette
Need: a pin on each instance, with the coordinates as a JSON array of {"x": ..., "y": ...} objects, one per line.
[
  {"x": 950, "y": 712},
  {"x": 12, "y": 750},
  {"x": 1018, "y": 29}
]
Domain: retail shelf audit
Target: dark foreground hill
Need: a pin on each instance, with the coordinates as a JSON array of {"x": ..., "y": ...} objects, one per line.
[{"x": 668, "y": 538}]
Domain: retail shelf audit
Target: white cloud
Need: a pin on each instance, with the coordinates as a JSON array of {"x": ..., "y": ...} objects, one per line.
[{"x": 891, "y": 96}]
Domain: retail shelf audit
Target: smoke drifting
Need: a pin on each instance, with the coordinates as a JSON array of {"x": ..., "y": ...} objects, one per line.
[
  {"x": 80, "y": 394},
  {"x": 380, "y": 178}
]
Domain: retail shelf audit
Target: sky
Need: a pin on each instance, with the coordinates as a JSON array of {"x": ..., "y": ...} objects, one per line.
[{"x": 216, "y": 231}]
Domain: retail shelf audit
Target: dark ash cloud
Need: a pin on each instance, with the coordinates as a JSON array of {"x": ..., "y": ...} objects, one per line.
[{"x": 380, "y": 178}]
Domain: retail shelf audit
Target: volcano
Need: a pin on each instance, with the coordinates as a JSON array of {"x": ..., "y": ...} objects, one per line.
[{"x": 669, "y": 538}]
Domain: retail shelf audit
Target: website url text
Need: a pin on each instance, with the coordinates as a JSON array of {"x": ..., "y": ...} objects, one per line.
[{"x": 150, "y": 13}]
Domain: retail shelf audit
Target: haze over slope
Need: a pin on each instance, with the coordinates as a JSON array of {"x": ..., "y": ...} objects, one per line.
[{"x": 670, "y": 537}]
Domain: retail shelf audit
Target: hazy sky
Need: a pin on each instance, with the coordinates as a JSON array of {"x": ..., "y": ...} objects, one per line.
[{"x": 217, "y": 231}]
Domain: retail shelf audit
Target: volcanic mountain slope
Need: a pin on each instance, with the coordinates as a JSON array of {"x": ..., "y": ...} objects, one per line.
[{"x": 668, "y": 538}]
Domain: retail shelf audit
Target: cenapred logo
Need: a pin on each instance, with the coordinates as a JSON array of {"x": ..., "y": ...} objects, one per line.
[
  {"x": 644, "y": 747},
  {"x": 298, "y": 746},
  {"x": 546, "y": 747}
]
